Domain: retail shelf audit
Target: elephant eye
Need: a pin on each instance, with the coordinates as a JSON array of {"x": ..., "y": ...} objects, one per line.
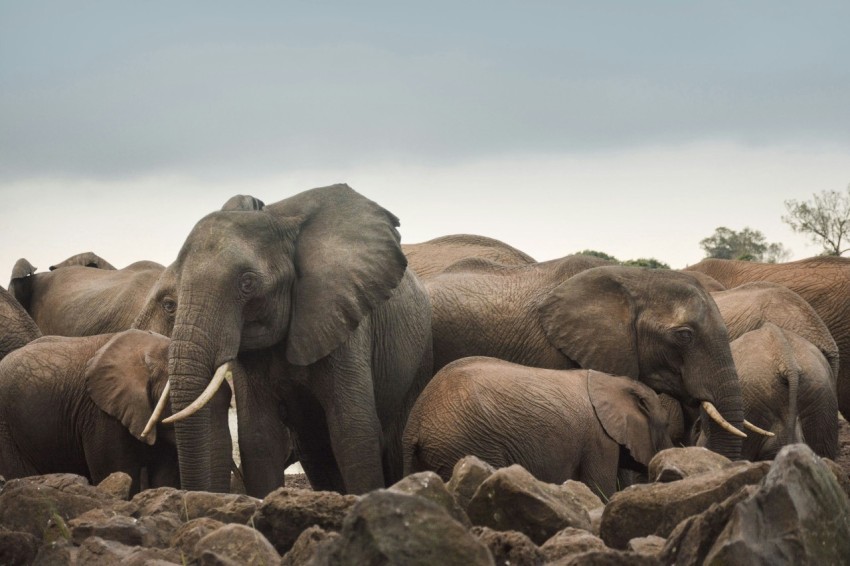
[
  {"x": 684, "y": 335},
  {"x": 169, "y": 305},
  {"x": 248, "y": 283}
]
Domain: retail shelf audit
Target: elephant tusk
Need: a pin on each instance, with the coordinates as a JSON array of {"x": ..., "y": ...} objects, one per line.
[
  {"x": 715, "y": 415},
  {"x": 220, "y": 374},
  {"x": 754, "y": 428},
  {"x": 157, "y": 411}
]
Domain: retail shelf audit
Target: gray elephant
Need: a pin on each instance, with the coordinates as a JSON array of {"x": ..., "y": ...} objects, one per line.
[
  {"x": 85, "y": 259},
  {"x": 788, "y": 389},
  {"x": 557, "y": 424},
  {"x": 17, "y": 328},
  {"x": 75, "y": 300},
  {"x": 79, "y": 405},
  {"x": 311, "y": 298},
  {"x": 824, "y": 282},
  {"x": 429, "y": 258},
  {"x": 658, "y": 326}
]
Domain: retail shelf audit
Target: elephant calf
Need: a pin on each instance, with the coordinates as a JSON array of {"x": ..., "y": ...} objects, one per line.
[
  {"x": 79, "y": 405},
  {"x": 558, "y": 424}
]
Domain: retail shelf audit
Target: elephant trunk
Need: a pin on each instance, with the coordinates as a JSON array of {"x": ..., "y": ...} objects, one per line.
[
  {"x": 190, "y": 369},
  {"x": 727, "y": 399}
]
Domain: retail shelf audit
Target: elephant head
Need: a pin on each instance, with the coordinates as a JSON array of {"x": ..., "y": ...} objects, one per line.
[
  {"x": 85, "y": 259},
  {"x": 657, "y": 326},
  {"x": 630, "y": 413},
  {"x": 290, "y": 281}
]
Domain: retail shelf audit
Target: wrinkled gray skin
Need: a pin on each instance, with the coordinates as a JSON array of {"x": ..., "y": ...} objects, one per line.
[
  {"x": 85, "y": 259},
  {"x": 824, "y": 282},
  {"x": 78, "y": 405},
  {"x": 83, "y": 301},
  {"x": 658, "y": 326},
  {"x": 330, "y": 333},
  {"x": 787, "y": 386},
  {"x": 429, "y": 258},
  {"x": 17, "y": 328},
  {"x": 557, "y": 424}
]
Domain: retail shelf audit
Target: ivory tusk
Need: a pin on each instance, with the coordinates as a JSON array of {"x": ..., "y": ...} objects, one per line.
[
  {"x": 220, "y": 374},
  {"x": 754, "y": 428},
  {"x": 715, "y": 415},
  {"x": 157, "y": 411}
]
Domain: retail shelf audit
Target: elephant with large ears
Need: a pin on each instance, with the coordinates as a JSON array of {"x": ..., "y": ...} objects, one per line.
[
  {"x": 309, "y": 301},
  {"x": 558, "y": 424},
  {"x": 824, "y": 282},
  {"x": 80, "y": 404},
  {"x": 658, "y": 326}
]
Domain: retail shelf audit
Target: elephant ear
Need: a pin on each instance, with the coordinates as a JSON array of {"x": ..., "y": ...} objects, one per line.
[
  {"x": 21, "y": 283},
  {"x": 348, "y": 260},
  {"x": 126, "y": 376},
  {"x": 590, "y": 318},
  {"x": 622, "y": 409},
  {"x": 85, "y": 259},
  {"x": 243, "y": 202}
]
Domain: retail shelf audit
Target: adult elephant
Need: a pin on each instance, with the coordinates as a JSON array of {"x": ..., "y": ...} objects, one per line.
[
  {"x": 429, "y": 258},
  {"x": 824, "y": 282},
  {"x": 85, "y": 259},
  {"x": 17, "y": 328},
  {"x": 658, "y": 326},
  {"x": 788, "y": 389},
  {"x": 311, "y": 300},
  {"x": 557, "y": 424},
  {"x": 75, "y": 300},
  {"x": 79, "y": 405}
]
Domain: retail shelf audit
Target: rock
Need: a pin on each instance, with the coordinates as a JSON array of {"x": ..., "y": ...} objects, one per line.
[
  {"x": 650, "y": 546},
  {"x": 468, "y": 473},
  {"x": 39, "y": 503},
  {"x": 160, "y": 500},
  {"x": 387, "y": 527},
  {"x": 286, "y": 512},
  {"x": 569, "y": 542},
  {"x": 17, "y": 547},
  {"x": 512, "y": 499},
  {"x": 224, "y": 507},
  {"x": 607, "y": 557},
  {"x": 186, "y": 537},
  {"x": 584, "y": 495},
  {"x": 159, "y": 529},
  {"x": 800, "y": 515},
  {"x": 106, "y": 525},
  {"x": 117, "y": 484},
  {"x": 691, "y": 540},
  {"x": 840, "y": 475},
  {"x": 235, "y": 544},
  {"x": 55, "y": 553},
  {"x": 509, "y": 547},
  {"x": 656, "y": 509},
  {"x": 674, "y": 464},
  {"x": 431, "y": 487},
  {"x": 94, "y": 551},
  {"x": 305, "y": 546}
]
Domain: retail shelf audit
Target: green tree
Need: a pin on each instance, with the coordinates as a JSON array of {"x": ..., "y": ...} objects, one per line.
[
  {"x": 825, "y": 220},
  {"x": 649, "y": 262},
  {"x": 748, "y": 245},
  {"x": 601, "y": 255}
]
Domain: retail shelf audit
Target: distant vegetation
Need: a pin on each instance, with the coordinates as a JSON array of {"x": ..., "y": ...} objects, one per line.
[
  {"x": 640, "y": 262},
  {"x": 748, "y": 244}
]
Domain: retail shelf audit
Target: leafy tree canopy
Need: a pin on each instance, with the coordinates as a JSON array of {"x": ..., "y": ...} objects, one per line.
[
  {"x": 650, "y": 262},
  {"x": 825, "y": 220},
  {"x": 748, "y": 245},
  {"x": 601, "y": 255}
]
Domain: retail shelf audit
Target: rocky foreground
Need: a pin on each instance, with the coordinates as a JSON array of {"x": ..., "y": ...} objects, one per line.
[{"x": 699, "y": 509}]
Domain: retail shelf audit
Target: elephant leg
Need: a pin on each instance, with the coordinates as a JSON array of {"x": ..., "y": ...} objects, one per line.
[
  {"x": 599, "y": 466},
  {"x": 13, "y": 464},
  {"x": 316, "y": 456},
  {"x": 111, "y": 448}
]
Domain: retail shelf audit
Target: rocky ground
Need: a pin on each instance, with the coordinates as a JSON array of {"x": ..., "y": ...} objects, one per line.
[{"x": 843, "y": 458}]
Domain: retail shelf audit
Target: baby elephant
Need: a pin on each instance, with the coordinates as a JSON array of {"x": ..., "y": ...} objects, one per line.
[
  {"x": 558, "y": 424},
  {"x": 79, "y": 405}
]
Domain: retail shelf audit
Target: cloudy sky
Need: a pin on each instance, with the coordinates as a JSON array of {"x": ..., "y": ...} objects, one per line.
[{"x": 634, "y": 128}]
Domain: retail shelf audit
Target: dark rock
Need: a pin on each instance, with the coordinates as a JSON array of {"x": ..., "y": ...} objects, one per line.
[
  {"x": 386, "y": 527},
  {"x": 286, "y": 512},
  {"x": 94, "y": 551},
  {"x": 468, "y": 473},
  {"x": 651, "y": 545},
  {"x": 187, "y": 536},
  {"x": 509, "y": 547},
  {"x": 607, "y": 557},
  {"x": 117, "y": 484},
  {"x": 512, "y": 499},
  {"x": 305, "y": 546},
  {"x": 235, "y": 544},
  {"x": 674, "y": 464},
  {"x": 569, "y": 542},
  {"x": 840, "y": 475},
  {"x": 106, "y": 525},
  {"x": 656, "y": 509},
  {"x": 224, "y": 507},
  {"x": 57, "y": 553},
  {"x": 800, "y": 515},
  {"x": 431, "y": 487},
  {"x": 159, "y": 529},
  {"x": 160, "y": 500},
  {"x": 17, "y": 547}
]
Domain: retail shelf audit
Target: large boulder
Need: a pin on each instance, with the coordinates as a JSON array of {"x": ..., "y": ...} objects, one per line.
[
  {"x": 673, "y": 464},
  {"x": 569, "y": 542},
  {"x": 509, "y": 547},
  {"x": 431, "y": 487},
  {"x": 235, "y": 544},
  {"x": 469, "y": 473}
]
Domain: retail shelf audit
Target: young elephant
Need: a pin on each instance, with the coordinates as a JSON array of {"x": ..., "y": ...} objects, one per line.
[
  {"x": 79, "y": 405},
  {"x": 558, "y": 424}
]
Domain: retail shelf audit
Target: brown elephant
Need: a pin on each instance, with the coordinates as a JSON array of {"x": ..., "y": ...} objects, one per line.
[
  {"x": 429, "y": 258},
  {"x": 17, "y": 328},
  {"x": 557, "y": 424},
  {"x": 80, "y": 404},
  {"x": 329, "y": 332},
  {"x": 824, "y": 282},
  {"x": 75, "y": 300},
  {"x": 85, "y": 259},
  {"x": 658, "y": 326}
]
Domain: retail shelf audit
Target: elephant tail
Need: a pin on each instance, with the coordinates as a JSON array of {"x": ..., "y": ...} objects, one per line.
[{"x": 792, "y": 426}]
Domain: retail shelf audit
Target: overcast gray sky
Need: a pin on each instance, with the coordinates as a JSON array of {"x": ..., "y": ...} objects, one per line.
[{"x": 634, "y": 128}]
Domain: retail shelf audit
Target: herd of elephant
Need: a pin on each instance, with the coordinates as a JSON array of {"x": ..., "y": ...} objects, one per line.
[{"x": 366, "y": 359}]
